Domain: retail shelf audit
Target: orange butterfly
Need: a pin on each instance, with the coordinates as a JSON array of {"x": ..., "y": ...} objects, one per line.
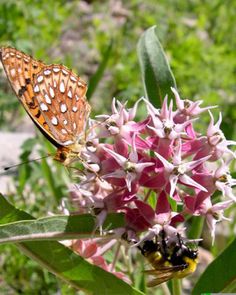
[{"x": 54, "y": 98}]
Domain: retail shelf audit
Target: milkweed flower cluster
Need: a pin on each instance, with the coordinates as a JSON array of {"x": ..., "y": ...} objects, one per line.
[{"x": 160, "y": 160}]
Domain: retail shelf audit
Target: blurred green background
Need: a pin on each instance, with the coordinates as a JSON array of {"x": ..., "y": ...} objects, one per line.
[{"x": 98, "y": 40}]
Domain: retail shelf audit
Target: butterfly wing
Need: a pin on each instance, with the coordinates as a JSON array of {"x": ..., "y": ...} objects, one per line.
[
  {"x": 53, "y": 96},
  {"x": 60, "y": 95},
  {"x": 20, "y": 70}
]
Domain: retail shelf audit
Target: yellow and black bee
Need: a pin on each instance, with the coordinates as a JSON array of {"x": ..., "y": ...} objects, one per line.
[{"x": 170, "y": 258}]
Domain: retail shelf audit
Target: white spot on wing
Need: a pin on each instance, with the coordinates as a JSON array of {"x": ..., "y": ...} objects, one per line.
[
  {"x": 47, "y": 72},
  {"x": 13, "y": 72},
  {"x": 74, "y": 126},
  {"x": 64, "y": 72},
  {"x": 69, "y": 94},
  {"x": 40, "y": 78},
  {"x": 73, "y": 79},
  {"x": 36, "y": 88},
  {"x": 54, "y": 121},
  {"x": 76, "y": 97},
  {"x": 56, "y": 70},
  {"x": 62, "y": 87},
  {"x": 43, "y": 106},
  {"x": 54, "y": 84},
  {"x": 68, "y": 142},
  {"x": 74, "y": 109},
  {"x": 63, "y": 108},
  {"x": 64, "y": 131},
  {"x": 12, "y": 53},
  {"x": 80, "y": 84},
  {"x": 47, "y": 98},
  {"x": 26, "y": 60},
  {"x": 51, "y": 91},
  {"x": 65, "y": 122},
  {"x": 18, "y": 56}
]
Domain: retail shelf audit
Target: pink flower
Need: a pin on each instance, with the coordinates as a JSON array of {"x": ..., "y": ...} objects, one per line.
[
  {"x": 130, "y": 167},
  {"x": 187, "y": 108},
  {"x": 156, "y": 171},
  {"x": 213, "y": 213},
  {"x": 90, "y": 250},
  {"x": 178, "y": 170}
]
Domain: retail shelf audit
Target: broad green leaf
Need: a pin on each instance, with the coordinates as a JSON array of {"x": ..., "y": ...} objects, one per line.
[
  {"x": 57, "y": 228},
  {"x": 220, "y": 275},
  {"x": 93, "y": 82},
  {"x": 156, "y": 73},
  {"x": 64, "y": 263},
  {"x": 9, "y": 213}
]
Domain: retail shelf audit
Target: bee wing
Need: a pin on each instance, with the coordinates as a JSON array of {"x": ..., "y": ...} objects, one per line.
[
  {"x": 161, "y": 278},
  {"x": 163, "y": 274}
]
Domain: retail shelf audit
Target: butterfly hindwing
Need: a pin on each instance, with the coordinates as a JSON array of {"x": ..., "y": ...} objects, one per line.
[{"x": 61, "y": 98}]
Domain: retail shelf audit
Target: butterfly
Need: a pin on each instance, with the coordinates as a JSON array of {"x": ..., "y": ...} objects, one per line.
[{"x": 54, "y": 98}]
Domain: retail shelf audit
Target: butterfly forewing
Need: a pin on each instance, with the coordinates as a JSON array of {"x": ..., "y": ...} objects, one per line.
[
  {"x": 20, "y": 70},
  {"x": 61, "y": 98}
]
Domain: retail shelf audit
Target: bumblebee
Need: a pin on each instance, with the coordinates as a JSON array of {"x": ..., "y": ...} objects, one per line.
[{"x": 170, "y": 258}]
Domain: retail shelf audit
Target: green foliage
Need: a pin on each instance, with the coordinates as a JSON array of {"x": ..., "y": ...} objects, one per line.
[
  {"x": 224, "y": 269},
  {"x": 59, "y": 259},
  {"x": 50, "y": 228},
  {"x": 157, "y": 76}
]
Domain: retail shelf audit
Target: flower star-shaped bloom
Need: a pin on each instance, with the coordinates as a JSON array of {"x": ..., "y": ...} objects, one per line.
[
  {"x": 163, "y": 124},
  {"x": 92, "y": 251},
  {"x": 213, "y": 213},
  {"x": 187, "y": 108},
  {"x": 130, "y": 168},
  {"x": 216, "y": 138},
  {"x": 120, "y": 122},
  {"x": 224, "y": 181},
  {"x": 170, "y": 231},
  {"x": 178, "y": 170}
]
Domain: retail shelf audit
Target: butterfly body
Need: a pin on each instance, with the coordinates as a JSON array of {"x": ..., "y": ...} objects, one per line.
[
  {"x": 66, "y": 155},
  {"x": 54, "y": 98}
]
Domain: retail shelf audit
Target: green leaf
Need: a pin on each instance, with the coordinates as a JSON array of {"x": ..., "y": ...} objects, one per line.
[
  {"x": 220, "y": 274},
  {"x": 64, "y": 263},
  {"x": 9, "y": 213},
  {"x": 156, "y": 73},
  {"x": 57, "y": 228},
  {"x": 93, "y": 82}
]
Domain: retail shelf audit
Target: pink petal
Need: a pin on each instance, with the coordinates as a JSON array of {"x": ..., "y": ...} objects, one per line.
[
  {"x": 162, "y": 205},
  {"x": 190, "y": 182},
  {"x": 145, "y": 210}
]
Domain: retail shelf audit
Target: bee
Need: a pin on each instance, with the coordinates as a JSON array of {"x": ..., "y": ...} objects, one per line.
[{"x": 170, "y": 258}]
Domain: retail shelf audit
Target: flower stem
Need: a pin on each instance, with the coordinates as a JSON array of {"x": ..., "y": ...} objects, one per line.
[
  {"x": 176, "y": 287},
  {"x": 115, "y": 257},
  {"x": 165, "y": 289},
  {"x": 147, "y": 195},
  {"x": 196, "y": 228}
]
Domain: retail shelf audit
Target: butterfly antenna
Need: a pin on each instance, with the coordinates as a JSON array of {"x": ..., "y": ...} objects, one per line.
[{"x": 25, "y": 162}]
